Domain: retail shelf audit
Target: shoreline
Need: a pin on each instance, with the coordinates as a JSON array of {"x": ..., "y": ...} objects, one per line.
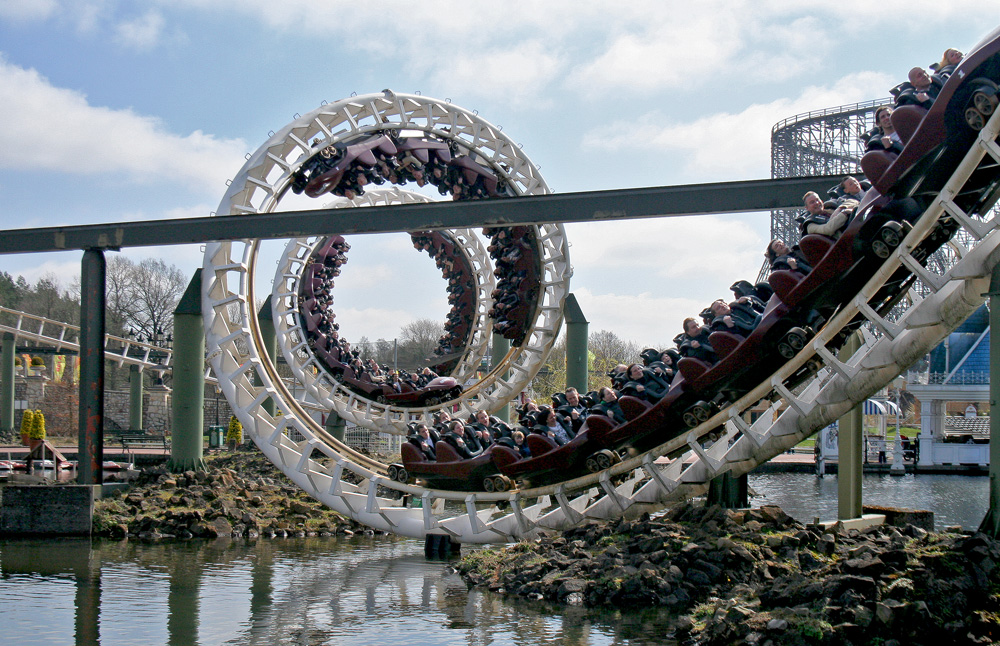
[
  {"x": 785, "y": 462},
  {"x": 757, "y": 576}
]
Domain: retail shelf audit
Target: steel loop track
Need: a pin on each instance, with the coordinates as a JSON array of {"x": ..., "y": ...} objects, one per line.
[{"x": 356, "y": 486}]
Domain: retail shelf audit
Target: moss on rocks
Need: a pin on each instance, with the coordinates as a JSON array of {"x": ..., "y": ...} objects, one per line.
[
  {"x": 759, "y": 577},
  {"x": 240, "y": 494}
]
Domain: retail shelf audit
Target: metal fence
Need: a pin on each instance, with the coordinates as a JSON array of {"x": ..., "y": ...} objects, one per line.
[{"x": 367, "y": 441}]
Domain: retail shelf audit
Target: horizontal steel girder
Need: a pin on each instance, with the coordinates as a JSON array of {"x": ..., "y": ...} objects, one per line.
[{"x": 592, "y": 206}]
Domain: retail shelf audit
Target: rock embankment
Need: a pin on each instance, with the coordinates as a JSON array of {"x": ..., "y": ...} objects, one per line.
[
  {"x": 759, "y": 577},
  {"x": 239, "y": 495}
]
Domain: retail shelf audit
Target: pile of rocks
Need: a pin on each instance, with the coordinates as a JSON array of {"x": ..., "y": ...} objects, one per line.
[
  {"x": 759, "y": 577},
  {"x": 239, "y": 495}
]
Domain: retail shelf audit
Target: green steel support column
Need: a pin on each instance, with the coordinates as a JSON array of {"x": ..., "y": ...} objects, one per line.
[
  {"x": 335, "y": 426},
  {"x": 184, "y": 596},
  {"x": 88, "y": 600},
  {"x": 188, "y": 402},
  {"x": 729, "y": 492},
  {"x": 266, "y": 325},
  {"x": 501, "y": 347},
  {"x": 261, "y": 592},
  {"x": 991, "y": 523},
  {"x": 7, "y": 382},
  {"x": 135, "y": 399},
  {"x": 850, "y": 443},
  {"x": 576, "y": 346},
  {"x": 93, "y": 295}
]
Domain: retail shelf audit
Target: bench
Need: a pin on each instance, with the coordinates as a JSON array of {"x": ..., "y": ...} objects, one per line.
[{"x": 132, "y": 441}]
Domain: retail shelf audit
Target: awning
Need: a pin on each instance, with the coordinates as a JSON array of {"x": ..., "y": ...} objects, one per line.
[{"x": 880, "y": 407}]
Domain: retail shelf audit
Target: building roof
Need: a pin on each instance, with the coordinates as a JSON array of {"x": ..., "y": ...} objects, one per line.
[{"x": 977, "y": 427}]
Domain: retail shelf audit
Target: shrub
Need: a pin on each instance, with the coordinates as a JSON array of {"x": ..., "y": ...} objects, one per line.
[
  {"x": 235, "y": 431},
  {"x": 26, "y": 421},
  {"x": 37, "y": 431},
  {"x": 37, "y": 362}
]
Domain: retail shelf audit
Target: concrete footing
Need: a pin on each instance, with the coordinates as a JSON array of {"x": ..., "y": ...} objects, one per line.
[
  {"x": 64, "y": 510},
  {"x": 866, "y": 520},
  {"x": 440, "y": 546},
  {"x": 899, "y": 517}
]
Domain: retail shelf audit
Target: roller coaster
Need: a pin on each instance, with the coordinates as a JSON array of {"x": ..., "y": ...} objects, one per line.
[{"x": 946, "y": 179}]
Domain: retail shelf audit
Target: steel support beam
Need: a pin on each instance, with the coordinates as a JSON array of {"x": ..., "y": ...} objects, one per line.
[
  {"x": 7, "y": 382},
  {"x": 135, "y": 399},
  {"x": 577, "y": 350},
  {"x": 991, "y": 523},
  {"x": 729, "y": 492},
  {"x": 91, "y": 424},
  {"x": 849, "y": 450},
  {"x": 265, "y": 323},
  {"x": 188, "y": 402},
  {"x": 591, "y": 206},
  {"x": 501, "y": 346},
  {"x": 335, "y": 426}
]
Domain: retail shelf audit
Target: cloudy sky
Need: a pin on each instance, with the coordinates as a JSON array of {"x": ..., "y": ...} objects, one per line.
[{"x": 121, "y": 111}]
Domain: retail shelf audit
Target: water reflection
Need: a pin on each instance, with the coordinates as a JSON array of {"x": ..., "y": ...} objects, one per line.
[
  {"x": 353, "y": 591},
  {"x": 954, "y": 499},
  {"x": 301, "y": 591}
]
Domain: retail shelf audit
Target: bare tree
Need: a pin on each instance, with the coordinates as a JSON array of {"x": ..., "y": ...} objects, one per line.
[
  {"x": 141, "y": 297},
  {"x": 608, "y": 350},
  {"x": 417, "y": 341},
  {"x": 158, "y": 288},
  {"x": 47, "y": 298},
  {"x": 119, "y": 293},
  {"x": 552, "y": 376}
]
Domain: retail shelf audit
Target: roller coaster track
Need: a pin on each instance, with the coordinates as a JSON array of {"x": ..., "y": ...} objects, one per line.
[
  {"x": 64, "y": 336},
  {"x": 118, "y": 350},
  {"x": 682, "y": 466}
]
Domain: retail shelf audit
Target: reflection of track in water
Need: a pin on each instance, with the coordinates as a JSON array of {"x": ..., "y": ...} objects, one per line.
[
  {"x": 362, "y": 590},
  {"x": 359, "y": 587},
  {"x": 639, "y": 483}
]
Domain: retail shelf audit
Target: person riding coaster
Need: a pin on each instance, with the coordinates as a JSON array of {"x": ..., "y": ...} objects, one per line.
[{"x": 862, "y": 254}]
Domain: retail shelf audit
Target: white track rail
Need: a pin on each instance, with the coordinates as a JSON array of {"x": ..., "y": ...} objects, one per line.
[
  {"x": 64, "y": 336},
  {"x": 228, "y": 280},
  {"x": 120, "y": 350},
  {"x": 310, "y": 371},
  {"x": 647, "y": 481},
  {"x": 264, "y": 180}
]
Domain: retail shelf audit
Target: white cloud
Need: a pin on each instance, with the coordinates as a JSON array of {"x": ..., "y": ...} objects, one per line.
[
  {"x": 22, "y": 11},
  {"x": 55, "y": 129},
  {"x": 643, "y": 278},
  {"x": 142, "y": 33},
  {"x": 643, "y": 318},
  {"x": 84, "y": 16},
  {"x": 678, "y": 250},
  {"x": 373, "y": 322},
  {"x": 371, "y": 275},
  {"x": 65, "y": 267},
  {"x": 731, "y": 145},
  {"x": 665, "y": 50},
  {"x": 517, "y": 74}
]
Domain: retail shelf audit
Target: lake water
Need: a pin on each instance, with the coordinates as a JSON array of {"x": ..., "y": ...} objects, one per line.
[
  {"x": 362, "y": 590},
  {"x": 359, "y": 590},
  {"x": 954, "y": 499}
]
